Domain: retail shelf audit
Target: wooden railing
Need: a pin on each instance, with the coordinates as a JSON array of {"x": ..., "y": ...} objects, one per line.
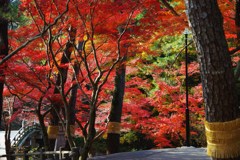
[
  {"x": 44, "y": 155},
  {"x": 24, "y": 132}
]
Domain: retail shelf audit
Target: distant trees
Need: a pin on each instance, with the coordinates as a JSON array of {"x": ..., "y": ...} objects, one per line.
[
  {"x": 66, "y": 58},
  {"x": 51, "y": 68}
]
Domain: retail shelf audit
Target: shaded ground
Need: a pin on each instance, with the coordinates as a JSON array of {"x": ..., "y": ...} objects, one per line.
[{"x": 183, "y": 153}]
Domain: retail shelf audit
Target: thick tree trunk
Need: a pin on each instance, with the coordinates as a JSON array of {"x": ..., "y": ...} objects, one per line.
[
  {"x": 116, "y": 109},
  {"x": 3, "y": 48},
  {"x": 216, "y": 68},
  {"x": 237, "y": 23}
]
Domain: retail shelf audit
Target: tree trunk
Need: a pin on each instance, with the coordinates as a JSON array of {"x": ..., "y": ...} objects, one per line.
[
  {"x": 44, "y": 130},
  {"x": 91, "y": 130},
  {"x": 72, "y": 107},
  {"x": 237, "y": 20},
  {"x": 3, "y": 48},
  {"x": 73, "y": 96},
  {"x": 8, "y": 140},
  {"x": 116, "y": 109},
  {"x": 237, "y": 23},
  {"x": 61, "y": 80},
  {"x": 216, "y": 68}
]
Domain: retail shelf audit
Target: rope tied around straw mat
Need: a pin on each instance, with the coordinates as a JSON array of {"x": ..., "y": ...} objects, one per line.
[
  {"x": 52, "y": 132},
  {"x": 114, "y": 127},
  {"x": 223, "y": 139}
]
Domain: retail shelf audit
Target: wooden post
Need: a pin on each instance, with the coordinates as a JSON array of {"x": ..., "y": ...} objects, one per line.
[
  {"x": 75, "y": 153},
  {"x": 25, "y": 156},
  {"x": 41, "y": 153},
  {"x": 60, "y": 154}
]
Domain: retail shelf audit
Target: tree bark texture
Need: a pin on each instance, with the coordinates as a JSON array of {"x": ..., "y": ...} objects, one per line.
[
  {"x": 237, "y": 23},
  {"x": 216, "y": 68},
  {"x": 113, "y": 139},
  {"x": 3, "y": 48},
  {"x": 218, "y": 81}
]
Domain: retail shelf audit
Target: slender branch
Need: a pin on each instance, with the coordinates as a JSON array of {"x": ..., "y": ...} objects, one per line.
[
  {"x": 46, "y": 112},
  {"x": 40, "y": 12},
  {"x": 35, "y": 37},
  {"x": 23, "y": 78},
  {"x": 92, "y": 41},
  {"x": 118, "y": 51},
  {"x": 234, "y": 50},
  {"x": 168, "y": 6},
  {"x": 84, "y": 131},
  {"x": 17, "y": 94},
  {"x": 171, "y": 65},
  {"x": 33, "y": 71}
]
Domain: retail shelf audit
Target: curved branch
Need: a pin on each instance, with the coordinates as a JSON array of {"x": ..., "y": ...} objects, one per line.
[
  {"x": 234, "y": 50},
  {"x": 35, "y": 37}
]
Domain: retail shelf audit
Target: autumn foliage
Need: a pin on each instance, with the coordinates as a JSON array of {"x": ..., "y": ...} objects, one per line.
[{"x": 154, "y": 102}]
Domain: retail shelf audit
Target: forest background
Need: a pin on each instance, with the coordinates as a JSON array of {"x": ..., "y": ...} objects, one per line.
[{"x": 64, "y": 56}]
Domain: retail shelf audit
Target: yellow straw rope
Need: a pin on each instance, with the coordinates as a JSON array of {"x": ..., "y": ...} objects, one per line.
[
  {"x": 223, "y": 139},
  {"x": 52, "y": 132},
  {"x": 114, "y": 127}
]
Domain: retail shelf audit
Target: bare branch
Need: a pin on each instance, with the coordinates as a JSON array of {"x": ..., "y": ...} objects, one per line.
[
  {"x": 84, "y": 132},
  {"x": 171, "y": 65},
  {"x": 168, "y": 6},
  {"x": 234, "y": 50},
  {"x": 35, "y": 37}
]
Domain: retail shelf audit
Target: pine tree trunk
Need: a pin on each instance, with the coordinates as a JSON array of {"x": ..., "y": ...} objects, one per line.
[
  {"x": 216, "y": 68},
  {"x": 113, "y": 139},
  {"x": 237, "y": 23},
  {"x": 3, "y": 48}
]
